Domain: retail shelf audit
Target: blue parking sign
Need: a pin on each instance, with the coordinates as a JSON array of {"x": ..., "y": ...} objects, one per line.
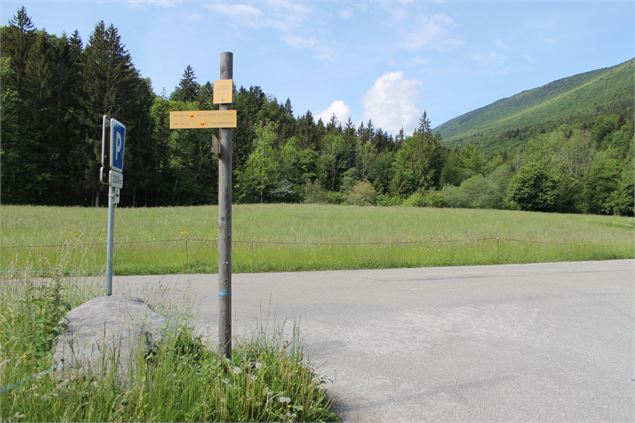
[{"x": 117, "y": 143}]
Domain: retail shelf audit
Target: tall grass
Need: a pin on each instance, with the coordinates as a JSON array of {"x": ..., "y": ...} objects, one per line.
[
  {"x": 305, "y": 237},
  {"x": 267, "y": 379}
]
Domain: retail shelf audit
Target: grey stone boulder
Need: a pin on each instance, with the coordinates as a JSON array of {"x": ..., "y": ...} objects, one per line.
[{"x": 105, "y": 331}]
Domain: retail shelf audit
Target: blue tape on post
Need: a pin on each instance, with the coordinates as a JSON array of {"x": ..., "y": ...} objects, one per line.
[{"x": 224, "y": 294}]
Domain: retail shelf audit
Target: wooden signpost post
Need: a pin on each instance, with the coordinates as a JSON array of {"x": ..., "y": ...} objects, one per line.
[{"x": 224, "y": 119}]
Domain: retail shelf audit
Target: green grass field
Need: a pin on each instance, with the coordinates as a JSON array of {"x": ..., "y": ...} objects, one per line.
[{"x": 302, "y": 237}]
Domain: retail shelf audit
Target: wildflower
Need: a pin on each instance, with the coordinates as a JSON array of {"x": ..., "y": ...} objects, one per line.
[
  {"x": 284, "y": 400},
  {"x": 291, "y": 416},
  {"x": 258, "y": 365},
  {"x": 236, "y": 370},
  {"x": 253, "y": 377}
]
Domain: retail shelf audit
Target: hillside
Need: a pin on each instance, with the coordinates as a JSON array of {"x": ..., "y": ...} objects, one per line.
[{"x": 567, "y": 100}]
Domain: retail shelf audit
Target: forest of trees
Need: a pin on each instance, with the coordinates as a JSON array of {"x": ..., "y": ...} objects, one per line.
[{"x": 56, "y": 88}]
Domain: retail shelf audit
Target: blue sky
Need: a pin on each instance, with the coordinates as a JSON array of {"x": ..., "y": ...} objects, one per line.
[{"x": 387, "y": 60}]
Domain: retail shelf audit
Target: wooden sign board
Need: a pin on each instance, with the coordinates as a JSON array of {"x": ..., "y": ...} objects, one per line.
[
  {"x": 223, "y": 91},
  {"x": 203, "y": 119}
]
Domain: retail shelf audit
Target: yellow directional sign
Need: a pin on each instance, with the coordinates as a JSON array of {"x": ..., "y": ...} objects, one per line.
[
  {"x": 203, "y": 119},
  {"x": 223, "y": 91}
]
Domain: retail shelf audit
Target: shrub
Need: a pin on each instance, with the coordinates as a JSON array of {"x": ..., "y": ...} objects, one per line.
[
  {"x": 284, "y": 192},
  {"x": 387, "y": 200},
  {"x": 602, "y": 181},
  {"x": 349, "y": 180},
  {"x": 334, "y": 197},
  {"x": 621, "y": 200},
  {"x": 315, "y": 193},
  {"x": 426, "y": 199},
  {"x": 475, "y": 192},
  {"x": 414, "y": 200},
  {"x": 480, "y": 191},
  {"x": 533, "y": 188},
  {"x": 433, "y": 199},
  {"x": 362, "y": 194}
]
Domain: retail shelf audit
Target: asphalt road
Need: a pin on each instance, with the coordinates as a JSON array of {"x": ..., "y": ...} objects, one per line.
[{"x": 539, "y": 342}]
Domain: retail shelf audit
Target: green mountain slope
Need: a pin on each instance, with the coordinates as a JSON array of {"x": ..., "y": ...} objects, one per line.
[{"x": 567, "y": 100}]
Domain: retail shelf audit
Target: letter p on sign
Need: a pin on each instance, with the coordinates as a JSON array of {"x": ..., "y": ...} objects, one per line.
[{"x": 117, "y": 144}]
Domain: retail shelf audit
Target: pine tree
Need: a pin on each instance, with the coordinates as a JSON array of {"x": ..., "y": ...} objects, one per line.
[
  {"x": 40, "y": 143},
  {"x": 70, "y": 133},
  {"x": 424, "y": 124},
  {"x": 11, "y": 158},
  {"x": 188, "y": 87},
  {"x": 204, "y": 96},
  {"x": 287, "y": 107},
  {"x": 400, "y": 137},
  {"x": 16, "y": 43},
  {"x": 307, "y": 132},
  {"x": 334, "y": 126},
  {"x": 418, "y": 164},
  {"x": 111, "y": 86}
]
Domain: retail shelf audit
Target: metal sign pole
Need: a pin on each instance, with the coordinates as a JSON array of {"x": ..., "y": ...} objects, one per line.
[
  {"x": 110, "y": 235},
  {"x": 225, "y": 223},
  {"x": 110, "y": 173}
]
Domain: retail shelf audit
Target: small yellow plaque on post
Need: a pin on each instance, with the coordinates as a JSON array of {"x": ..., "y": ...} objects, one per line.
[
  {"x": 223, "y": 91},
  {"x": 203, "y": 119}
]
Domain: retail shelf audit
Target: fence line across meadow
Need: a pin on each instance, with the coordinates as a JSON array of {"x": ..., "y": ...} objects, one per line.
[
  {"x": 317, "y": 243},
  {"x": 310, "y": 243}
]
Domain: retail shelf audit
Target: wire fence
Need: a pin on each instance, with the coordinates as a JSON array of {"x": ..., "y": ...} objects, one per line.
[{"x": 309, "y": 243}]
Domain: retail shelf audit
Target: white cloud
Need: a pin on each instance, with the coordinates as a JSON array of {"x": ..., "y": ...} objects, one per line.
[
  {"x": 500, "y": 44},
  {"x": 420, "y": 60},
  {"x": 398, "y": 10},
  {"x": 291, "y": 19},
  {"x": 319, "y": 47},
  {"x": 160, "y": 3},
  {"x": 432, "y": 33},
  {"x": 547, "y": 40},
  {"x": 281, "y": 15},
  {"x": 390, "y": 102},
  {"x": 490, "y": 58},
  {"x": 194, "y": 17},
  {"x": 285, "y": 15},
  {"x": 245, "y": 13},
  {"x": 337, "y": 108},
  {"x": 346, "y": 14}
]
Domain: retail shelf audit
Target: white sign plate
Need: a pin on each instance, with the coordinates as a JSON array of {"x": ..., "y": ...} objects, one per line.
[{"x": 115, "y": 179}]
